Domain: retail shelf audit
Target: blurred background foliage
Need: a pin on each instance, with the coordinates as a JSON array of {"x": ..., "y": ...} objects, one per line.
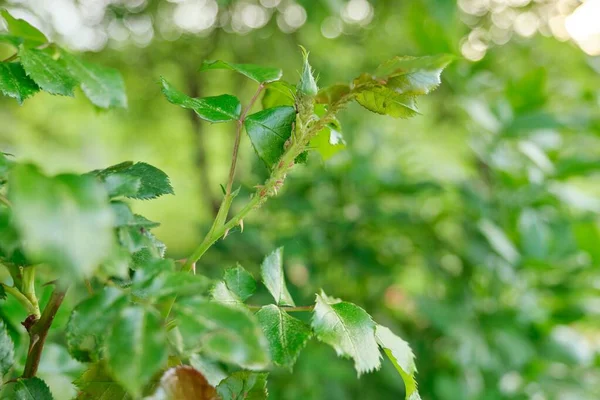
[{"x": 472, "y": 230}]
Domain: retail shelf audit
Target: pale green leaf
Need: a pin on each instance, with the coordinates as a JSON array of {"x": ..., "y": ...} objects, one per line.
[
  {"x": 414, "y": 75},
  {"x": 15, "y": 41},
  {"x": 49, "y": 74},
  {"x": 97, "y": 384},
  {"x": 222, "y": 294},
  {"x": 152, "y": 181},
  {"x": 269, "y": 130},
  {"x": 69, "y": 227},
  {"x": 136, "y": 348},
  {"x": 213, "y": 373},
  {"x": 15, "y": 83},
  {"x": 26, "y": 389},
  {"x": 23, "y": 29},
  {"x": 287, "y": 336},
  {"x": 274, "y": 279},
  {"x": 401, "y": 355},
  {"x": 280, "y": 93},
  {"x": 228, "y": 334},
  {"x": 184, "y": 383},
  {"x": 103, "y": 86},
  {"x": 170, "y": 283},
  {"x": 7, "y": 351},
  {"x": 240, "y": 282},
  {"x": 244, "y": 385},
  {"x": 221, "y": 108},
  {"x": 349, "y": 330},
  {"x": 254, "y": 72}
]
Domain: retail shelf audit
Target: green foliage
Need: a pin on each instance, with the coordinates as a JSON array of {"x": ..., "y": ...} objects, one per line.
[
  {"x": 273, "y": 278},
  {"x": 7, "y": 351},
  {"x": 401, "y": 355},
  {"x": 15, "y": 83},
  {"x": 22, "y": 29},
  {"x": 96, "y": 383},
  {"x": 26, "y": 389},
  {"x": 269, "y": 130},
  {"x": 137, "y": 181},
  {"x": 256, "y": 73},
  {"x": 47, "y": 72},
  {"x": 244, "y": 385},
  {"x": 240, "y": 282}
]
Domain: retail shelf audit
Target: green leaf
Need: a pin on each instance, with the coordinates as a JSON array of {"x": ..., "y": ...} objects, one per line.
[
  {"x": 48, "y": 73},
  {"x": 184, "y": 383},
  {"x": 213, "y": 373},
  {"x": 15, "y": 83},
  {"x": 97, "y": 384},
  {"x": 171, "y": 283},
  {"x": 287, "y": 336},
  {"x": 222, "y": 294},
  {"x": 228, "y": 334},
  {"x": 69, "y": 227},
  {"x": 103, "y": 86},
  {"x": 280, "y": 93},
  {"x": 274, "y": 279},
  {"x": 401, "y": 355},
  {"x": 244, "y": 385},
  {"x": 26, "y": 389},
  {"x": 7, "y": 351},
  {"x": 153, "y": 182},
  {"x": 254, "y": 72},
  {"x": 15, "y": 41},
  {"x": 240, "y": 282},
  {"x": 136, "y": 348},
  {"x": 269, "y": 130},
  {"x": 221, "y": 108},
  {"x": 385, "y": 101},
  {"x": 414, "y": 75},
  {"x": 90, "y": 321},
  {"x": 349, "y": 330},
  {"x": 332, "y": 94},
  {"x": 23, "y": 29}
]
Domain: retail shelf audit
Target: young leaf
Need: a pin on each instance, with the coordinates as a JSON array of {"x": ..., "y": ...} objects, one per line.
[
  {"x": 228, "y": 334},
  {"x": 287, "y": 336},
  {"x": 184, "y": 383},
  {"x": 244, "y": 385},
  {"x": 221, "y": 108},
  {"x": 414, "y": 75},
  {"x": 254, "y": 72},
  {"x": 103, "y": 86},
  {"x": 328, "y": 142},
  {"x": 385, "y": 101},
  {"x": 48, "y": 73},
  {"x": 89, "y": 323},
  {"x": 136, "y": 348},
  {"x": 401, "y": 355},
  {"x": 26, "y": 389},
  {"x": 23, "y": 29},
  {"x": 269, "y": 130},
  {"x": 96, "y": 384},
  {"x": 349, "y": 330},
  {"x": 15, "y": 83},
  {"x": 7, "y": 352},
  {"x": 240, "y": 282},
  {"x": 280, "y": 93},
  {"x": 68, "y": 227},
  {"x": 274, "y": 279},
  {"x": 153, "y": 182}
]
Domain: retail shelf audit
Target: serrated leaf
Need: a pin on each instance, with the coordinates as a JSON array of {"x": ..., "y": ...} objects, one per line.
[
  {"x": 222, "y": 294},
  {"x": 90, "y": 321},
  {"x": 69, "y": 227},
  {"x": 153, "y": 182},
  {"x": 213, "y": 373},
  {"x": 221, "y": 108},
  {"x": 269, "y": 130},
  {"x": 401, "y": 355},
  {"x": 349, "y": 330},
  {"x": 118, "y": 185},
  {"x": 184, "y": 383},
  {"x": 240, "y": 282},
  {"x": 279, "y": 93},
  {"x": 255, "y": 72},
  {"x": 49, "y": 74},
  {"x": 103, "y": 86},
  {"x": 26, "y": 389},
  {"x": 228, "y": 334},
  {"x": 136, "y": 348},
  {"x": 287, "y": 336},
  {"x": 385, "y": 101},
  {"x": 97, "y": 384},
  {"x": 23, "y": 29},
  {"x": 244, "y": 385},
  {"x": 273, "y": 277},
  {"x": 414, "y": 75},
  {"x": 171, "y": 283},
  {"x": 125, "y": 217},
  {"x": 15, "y": 83},
  {"x": 7, "y": 348}
]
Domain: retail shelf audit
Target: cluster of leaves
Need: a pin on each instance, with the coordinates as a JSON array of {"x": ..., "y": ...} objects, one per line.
[
  {"x": 39, "y": 64},
  {"x": 146, "y": 312}
]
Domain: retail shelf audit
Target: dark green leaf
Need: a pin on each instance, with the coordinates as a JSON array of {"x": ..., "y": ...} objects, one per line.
[
  {"x": 69, "y": 227},
  {"x": 103, "y": 86},
  {"x": 269, "y": 130},
  {"x": 15, "y": 83},
  {"x": 26, "y": 389},
  {"x": 287, "y": 336},
  {"x": 244, "y": 385},
  {"x": 277, "y": 94},
  {"x": 240, "y": 282},
  {"x": 212, "y": 109},
  {"x": 184, "y": 383},
  {"x": 23, "y": 29},
  {"x": 349, "y": 330},
  {"x": 254, "y": 72},
  {"x": 96, "y": 384},
  {"x": 49, "y": 74},
  {"x": 152, "y": 181},
  {"x": 136, "y": 348},
  {"x": 274, "y": 279},
  {"x": 7, "y": 351}
]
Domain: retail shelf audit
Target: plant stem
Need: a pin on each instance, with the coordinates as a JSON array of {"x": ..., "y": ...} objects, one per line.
[
  {"x": 39, "y": 331},
  {"x": 28, "y": 287},
  {"x": 286, "y": 308},
  {"x": 31, "y": 309}
]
